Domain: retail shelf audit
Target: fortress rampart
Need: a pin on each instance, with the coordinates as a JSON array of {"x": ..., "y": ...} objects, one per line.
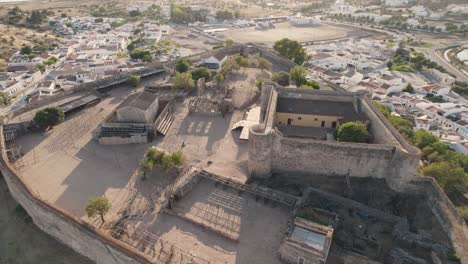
[{"x": 390, "y": 157}]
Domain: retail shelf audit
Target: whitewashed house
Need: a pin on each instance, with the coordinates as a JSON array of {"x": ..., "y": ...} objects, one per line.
[{"x": 46, "y": 87}]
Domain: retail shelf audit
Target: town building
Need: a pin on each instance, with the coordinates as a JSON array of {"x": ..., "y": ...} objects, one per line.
[
  {"x": 214, "y": 63},
  {"x": 138, "y": 108}
]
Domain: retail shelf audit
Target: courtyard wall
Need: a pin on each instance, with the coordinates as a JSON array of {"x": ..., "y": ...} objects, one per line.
[{"x": 388, "y": 157}]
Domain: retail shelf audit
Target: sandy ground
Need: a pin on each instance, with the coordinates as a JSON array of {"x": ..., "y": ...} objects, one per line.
[
  {"x": 67, "y": 168},
  {"x": 207, "y": 138},
  {"x": 284, "y": 30},
  {"x": 260, "y": 226},
  {"x": 190, "y": 43},
  {"x": 22, "y": 242}
]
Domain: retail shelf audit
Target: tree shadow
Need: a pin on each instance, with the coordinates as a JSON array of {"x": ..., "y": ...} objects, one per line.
[{"x": 99, "y": 170}]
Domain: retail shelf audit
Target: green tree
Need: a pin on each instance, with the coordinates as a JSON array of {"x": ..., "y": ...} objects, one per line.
[
  {"x": 403, "y": 126},
  {"x": 229, "y": 66},
  {"x": 450, "y": 178},
  {"x": 177, "y": 158},
  {"x": 147, "y": 58},
  {"x": 51, "y": 60},
  {"x": 228, "y": 42},
  {"x": 184, "y": 81},
  {"x": 311, "y": 84},
  {"x": 219, "y": 78},
  {"x": 291, "y": 49},
  {"x": 298, "y": 75},
  {"x": 145, "y": 166},
  {"x": 138, "y": 54},
  {"x": 224, "y": 15},
  {"x": 5, "y": 99},
  {"x": 26, "y": 50},
  {"x": 155, "y": 155},
  {"x": 134, "y": 80},
  {"x": 167, "y": 162},
  {"x": 49, "y": 117},
  {"x": 409, "y": 88},
  {"x": 389, "y": 65},
  {"x": 40, "y": 67},
  {"x": 36, "y": 17},
  {"x": 259, "y": 82},
  {"x": 134, "y": 13},
  {"x": 98, "y": 206},
  {"x": 242, "y": 61},
  {"x": 201, "y": 72},
  {"x": 422, "y": 138},
  {"x": 353, "y": 132},
  {"x": 182, "y": 64},
  {"x": 383, "y": 109},
  {"x": 264, "y": 64},
  {"x": 282, "y": 78}
]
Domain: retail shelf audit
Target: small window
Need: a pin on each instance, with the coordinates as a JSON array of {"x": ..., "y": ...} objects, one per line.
[
  {"x": 299, "y": 118},
  {"x": 334, "y": 124},
  {"x": 316, "y": 119},
  {"x": 300, "y": 260},
  {"x": 323, "y": 124}
]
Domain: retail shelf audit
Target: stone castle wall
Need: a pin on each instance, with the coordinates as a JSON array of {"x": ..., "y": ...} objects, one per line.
[
  {"x": 73, "y": 232},
  {"x": 339, "y": 158},
  {"x": 390, "y": 157}
]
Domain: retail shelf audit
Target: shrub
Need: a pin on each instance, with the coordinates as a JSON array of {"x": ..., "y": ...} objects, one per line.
[
  {"x": 259, "y": 82},
  {"x": 184, "y": 81},
  {"x": 134, "y": 80},
  {"x": 282, "y": 78},
  {"x": 402, "y": 68},
  {"x": 353, "y": 132},
  {"x": 298, "y": 75},
  {"x": 182, "y": 64},
  {"x": 201, "y": 72}
]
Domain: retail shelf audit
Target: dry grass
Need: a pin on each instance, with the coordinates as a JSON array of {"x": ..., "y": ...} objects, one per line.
[{"x": 13, "y": 38}]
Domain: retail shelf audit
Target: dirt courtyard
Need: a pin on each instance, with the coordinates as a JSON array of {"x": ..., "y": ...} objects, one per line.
[
  {"x": 259, "y": 225},
  {"x": 67, "y": 167},
  {"x": 285, "y": 30}
]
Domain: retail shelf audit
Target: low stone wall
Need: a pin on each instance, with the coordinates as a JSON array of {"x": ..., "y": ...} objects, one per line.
[
  {"x": 187, "y": 187},
  {"x": 73, "y": 232},
  {"x": 140, "y": 139},
  {"x": 273, "y": 57}
]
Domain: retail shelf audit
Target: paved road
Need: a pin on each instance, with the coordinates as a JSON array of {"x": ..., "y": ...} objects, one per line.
[{"x": 447, "y": 65}]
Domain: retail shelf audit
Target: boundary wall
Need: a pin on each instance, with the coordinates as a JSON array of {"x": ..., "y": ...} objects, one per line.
[{"x": 85, "y": 239}]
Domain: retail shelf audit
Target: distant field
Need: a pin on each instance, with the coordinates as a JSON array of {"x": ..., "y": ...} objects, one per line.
[{"x": 284, "y": 30}]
